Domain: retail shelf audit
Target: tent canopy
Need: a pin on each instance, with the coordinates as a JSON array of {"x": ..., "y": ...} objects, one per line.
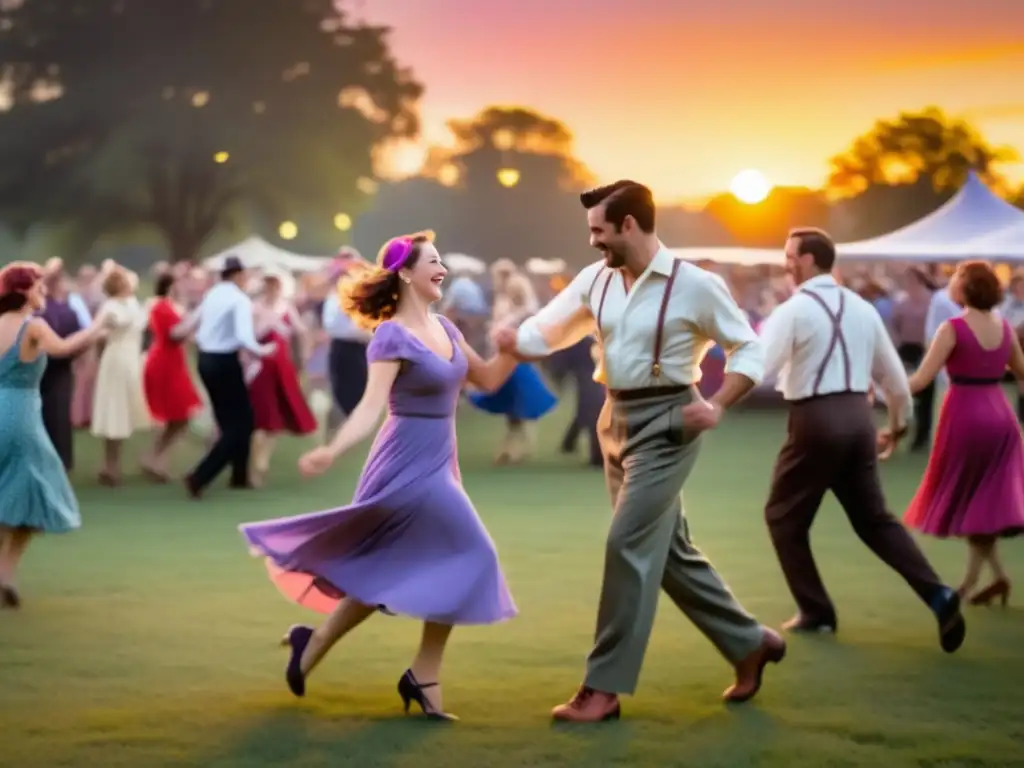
[
  {"x": 257, "y": 253},
  {"x": 744, "y": 257},
  {"x": 1005, "y": 245},
  {"x": 973, "y": 212}
]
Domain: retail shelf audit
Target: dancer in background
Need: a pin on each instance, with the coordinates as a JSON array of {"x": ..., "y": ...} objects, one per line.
[
  {"x": 278, "y": 404},
  {"x": 577, "y": 363},
  {"x": 57, "y": 387},
  {"x": 119, "y": 405},
  {"x": 525, "y": 397},
  {"x": 908, "y": 330},
  {"x": 223, "y": 325},
  {"x": 35, "y": 493},
  {"x": 86, "y": 300},
  {"x": 346, "y": 357},
  {"x": 170, "y": 394},
  {"x": 973, "y": 487},
  {"x": 410, "y": 542},
  {"x": 827, "y": 345}
]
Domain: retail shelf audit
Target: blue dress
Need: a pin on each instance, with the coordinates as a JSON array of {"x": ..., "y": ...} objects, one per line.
[
  {"x": 34, "y": 489},
  {"x": 524, "y": 396}
]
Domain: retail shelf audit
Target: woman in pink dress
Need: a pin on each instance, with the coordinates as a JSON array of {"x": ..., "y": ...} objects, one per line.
[{"x": 973, "y": 487}]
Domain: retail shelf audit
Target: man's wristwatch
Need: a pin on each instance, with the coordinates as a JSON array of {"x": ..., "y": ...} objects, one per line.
[{"x": 900, "y": 432}]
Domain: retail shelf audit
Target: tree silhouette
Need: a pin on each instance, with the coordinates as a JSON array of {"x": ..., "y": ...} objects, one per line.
[
  {"x": 508, "y": 187},
  {"x": 906, "y": 167},
  {"x": 182, "y": 115},
  {"x": 913, "y": 145}
]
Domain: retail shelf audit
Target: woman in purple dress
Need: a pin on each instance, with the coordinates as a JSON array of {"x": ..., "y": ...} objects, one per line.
[
  {"x": 973, "y": 487},
  {"x": 410, "y": 543}
]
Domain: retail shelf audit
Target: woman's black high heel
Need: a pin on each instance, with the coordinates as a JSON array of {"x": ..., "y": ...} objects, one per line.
[
  {"x": 411, "y": 690},
  {"x": 9, "y": 597},
  {"x": 297, "y": 638}
]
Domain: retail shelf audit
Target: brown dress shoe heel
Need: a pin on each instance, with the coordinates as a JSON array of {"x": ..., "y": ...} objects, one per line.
[
  {"x": 588, "y": 706},
  {"x": 750, "y": 670}
]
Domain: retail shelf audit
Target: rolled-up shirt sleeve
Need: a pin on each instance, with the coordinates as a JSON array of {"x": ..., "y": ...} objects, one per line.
[
  {"x": 724, "y": 322},
  {"x": 565, "y": 320},
  {"x": 242, "y": 311}
]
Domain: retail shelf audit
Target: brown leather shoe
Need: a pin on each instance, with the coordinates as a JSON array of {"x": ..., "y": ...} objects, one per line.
[
  {"x": 751, "y": 669},
  {"x": 588, "y": 706}
]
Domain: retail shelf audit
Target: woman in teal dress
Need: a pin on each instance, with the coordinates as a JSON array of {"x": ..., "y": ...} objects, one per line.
[{"x": 35, "y": 494}]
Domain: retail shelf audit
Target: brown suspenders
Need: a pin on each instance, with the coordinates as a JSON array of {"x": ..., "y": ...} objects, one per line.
[
  {"x": 662, "y": 310},
  {"x": 837, "y": 338}
]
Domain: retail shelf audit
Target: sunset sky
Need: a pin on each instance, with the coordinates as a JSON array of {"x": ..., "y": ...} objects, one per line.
[{"x": 682, "y": 95}]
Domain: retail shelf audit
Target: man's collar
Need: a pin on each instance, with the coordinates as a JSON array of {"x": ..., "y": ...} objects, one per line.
[
  {"x": 663, "y": 261},
  {"x": 819, "y": 281}
]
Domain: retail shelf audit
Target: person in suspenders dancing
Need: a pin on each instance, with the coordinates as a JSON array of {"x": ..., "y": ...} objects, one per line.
[
  {"x": 654, "y": 318},
  {"x": 827, "y": 346}
]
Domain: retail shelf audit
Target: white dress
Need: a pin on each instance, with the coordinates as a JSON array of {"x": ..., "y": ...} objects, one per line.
[{"x": 119, "y": 405}]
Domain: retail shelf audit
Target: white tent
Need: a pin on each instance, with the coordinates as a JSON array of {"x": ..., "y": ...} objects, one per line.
[
  {"x": 545, "y": 267},
  {"x": 257, "y": 253},
  {"x": 1005, "y": 245},
  {"x": 744, "y": 257},
  {"x": 462, "y": 263},
  {"x": 973, "y": 212}
]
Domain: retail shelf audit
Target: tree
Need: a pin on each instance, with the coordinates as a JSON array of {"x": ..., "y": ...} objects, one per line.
[
  {"x": 906, "y": 167},
  {"x": 508, "y": 187},
  {"x": 183, "y": 115},
  {"x": 916, "y": 144}
]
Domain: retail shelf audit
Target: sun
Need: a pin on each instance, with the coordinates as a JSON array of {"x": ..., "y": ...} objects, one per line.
[{"x": 750, "y": 186}]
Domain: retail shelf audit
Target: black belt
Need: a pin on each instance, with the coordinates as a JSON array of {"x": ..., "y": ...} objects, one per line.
[
  {"x": 644, "y": 393},
  {"x": 409, "y": 415},
  {"x": 824, "y": 395},
  {"x": 972, "y": 381}
]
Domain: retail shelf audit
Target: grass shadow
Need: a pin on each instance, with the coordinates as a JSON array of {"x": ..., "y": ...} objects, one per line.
[{"x": 286, "y": 735}]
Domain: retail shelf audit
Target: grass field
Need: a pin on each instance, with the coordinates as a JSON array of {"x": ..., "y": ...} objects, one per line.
[{"x": 149, "y": 638}]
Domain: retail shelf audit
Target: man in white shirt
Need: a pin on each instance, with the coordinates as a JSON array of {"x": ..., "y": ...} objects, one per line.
[
  {"x": 223, "y": 325},
  {"x": 346, "y": 357},
  {"x": 654, "y": 317},
  {"x": 827, "y": 345}
]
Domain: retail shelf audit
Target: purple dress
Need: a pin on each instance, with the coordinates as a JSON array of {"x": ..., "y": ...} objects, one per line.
[
  {"x": 410, "y": 542},
  {"x": 974, "y": 483}
]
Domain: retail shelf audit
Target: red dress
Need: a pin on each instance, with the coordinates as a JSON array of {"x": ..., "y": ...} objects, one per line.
[
  {"x": 278, "y": 404},
  {"x": 170, "y": 394}
]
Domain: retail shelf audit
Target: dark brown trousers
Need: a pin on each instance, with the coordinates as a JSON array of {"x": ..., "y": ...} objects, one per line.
[{"x": 831, "y": 447}]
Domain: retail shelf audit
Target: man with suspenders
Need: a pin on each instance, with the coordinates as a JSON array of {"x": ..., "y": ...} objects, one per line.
[
  {"x": 653, "y": 317},
  {"x": 828, "y": 345}
]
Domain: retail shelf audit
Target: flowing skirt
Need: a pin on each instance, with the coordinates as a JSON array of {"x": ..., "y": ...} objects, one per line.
[{"x": 410, "y": 542}]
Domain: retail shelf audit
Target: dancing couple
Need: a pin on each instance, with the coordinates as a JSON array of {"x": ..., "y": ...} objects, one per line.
[{"x": 411, "y": 542}]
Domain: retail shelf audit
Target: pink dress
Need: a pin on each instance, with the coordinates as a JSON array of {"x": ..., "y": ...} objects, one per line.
[{"x": 974, "y": 482}]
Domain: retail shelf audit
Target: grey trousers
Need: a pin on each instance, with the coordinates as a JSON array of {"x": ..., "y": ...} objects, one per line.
[{"x": 648, "y": 456}]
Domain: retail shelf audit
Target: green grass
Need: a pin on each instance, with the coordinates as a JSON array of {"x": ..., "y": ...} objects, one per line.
[{"x": 149, "y": 638}]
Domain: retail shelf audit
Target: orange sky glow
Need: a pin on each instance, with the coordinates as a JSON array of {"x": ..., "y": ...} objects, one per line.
[{"x": 682, "y": 98}]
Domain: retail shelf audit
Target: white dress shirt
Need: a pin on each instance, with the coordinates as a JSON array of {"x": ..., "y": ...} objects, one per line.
[
  {"x": 77, "y": 305},
  {"x": 225, "y": 321},
  {"x": 700, "y": 313},
  {"x": 798, "y": 334}
]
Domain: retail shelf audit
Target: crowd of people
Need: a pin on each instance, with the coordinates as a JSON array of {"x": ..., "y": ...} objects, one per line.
[{"x": 411, "y": 543}]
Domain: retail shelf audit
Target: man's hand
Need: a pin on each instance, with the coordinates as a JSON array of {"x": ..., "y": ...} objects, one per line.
[
  {"x": 701, "y": 415},
  {"x": 505, "y": 340},
  {"x": 888, "y": 441}
]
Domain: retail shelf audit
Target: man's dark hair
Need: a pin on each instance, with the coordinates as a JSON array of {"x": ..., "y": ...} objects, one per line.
[
  {"x": 621, "y": 199},
  {"x": 818, "y": 244}
]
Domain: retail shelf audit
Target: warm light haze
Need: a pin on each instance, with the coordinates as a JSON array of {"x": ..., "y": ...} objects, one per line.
[
  {"x": 750, "y": 186},
  {"x": 680, "y": 95}
]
